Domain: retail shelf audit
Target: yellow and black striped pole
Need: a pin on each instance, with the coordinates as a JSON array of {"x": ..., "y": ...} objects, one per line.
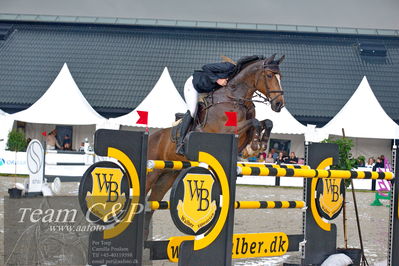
[
  {"x": 269, "y": 204},
  {"x": 294, "y": 166},
  {"x": 159, "y": 205},
  {"x": 174, "y": 165},
  {"x": 313, "y": 173}
]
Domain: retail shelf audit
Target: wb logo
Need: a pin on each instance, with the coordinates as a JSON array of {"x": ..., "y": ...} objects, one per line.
[
  {"x": 331, "y": 196},
  {"x": 332, "y": 188},
  {"x": 106, "y": 199},
  {"x": 111, "y": 187},
  {"x": 196, "y": 209},
  {"x": 202, "y": 194}
]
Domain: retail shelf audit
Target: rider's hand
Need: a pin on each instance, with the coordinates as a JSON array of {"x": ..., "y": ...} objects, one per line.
[{"x": 222, "y": 82}]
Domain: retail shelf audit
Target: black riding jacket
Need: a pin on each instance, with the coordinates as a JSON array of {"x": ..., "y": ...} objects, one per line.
[{"x": 205, "y": 80}]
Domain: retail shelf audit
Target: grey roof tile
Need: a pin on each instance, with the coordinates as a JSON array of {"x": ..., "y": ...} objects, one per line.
[{"x": 116, "y": 67}]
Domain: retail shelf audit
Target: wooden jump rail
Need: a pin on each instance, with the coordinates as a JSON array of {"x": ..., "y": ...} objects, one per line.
[
  {"x": 313, "y": 173},
  {"x": 297, "y": 204}
]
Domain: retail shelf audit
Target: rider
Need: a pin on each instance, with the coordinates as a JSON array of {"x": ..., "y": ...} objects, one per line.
[{"x": 210, "y": 78}]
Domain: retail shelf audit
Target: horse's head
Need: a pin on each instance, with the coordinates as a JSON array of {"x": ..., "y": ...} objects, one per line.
[{"x": 267, "y": 81}]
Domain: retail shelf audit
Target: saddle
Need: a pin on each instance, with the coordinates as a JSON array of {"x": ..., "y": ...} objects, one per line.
[{"x": 199, "y": 119}]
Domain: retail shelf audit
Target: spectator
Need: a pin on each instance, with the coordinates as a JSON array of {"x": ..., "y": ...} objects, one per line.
[
  {"x": 261, "y": 158},
  {"x": 269, "y": 158},
  {"x": 252, "y": 159},
  {"x": 301, "y": 161},
  {"x": 274, "y": 153},
  {"x": 292, "y": 159},
  {"x": 280, "y": 159},
  {"x": 384, "y": 160},
  {"x": 51, "y": 141},
  {"x": 241, "y": 159},
  {"x": 67, "y": 143},
  {"x": 370, "y": 162},
  {"x": 82, "y": 146},
  {"x": 361, "y": 163},
  {"x": 379, "y": 163}
]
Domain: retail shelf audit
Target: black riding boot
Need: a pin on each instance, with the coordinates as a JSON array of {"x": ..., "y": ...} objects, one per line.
[{"x": 185, "y": 124}]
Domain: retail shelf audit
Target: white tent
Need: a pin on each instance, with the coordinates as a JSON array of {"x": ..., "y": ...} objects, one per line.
[
  {"x": 285, "y": 127},
  {"x": 363, "y": 117},
  {"x": 161, "y": 104},
  {"x": 2, "y": 112},
  {"x": 62, "y": 104},
  {"x": 283, "y": 122}
]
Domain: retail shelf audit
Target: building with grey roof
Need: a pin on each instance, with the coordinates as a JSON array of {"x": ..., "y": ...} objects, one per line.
[{"x": 117, "y": 55}]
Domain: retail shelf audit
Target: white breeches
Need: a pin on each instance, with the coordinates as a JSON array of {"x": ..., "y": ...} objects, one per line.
[{"x": 190, "y": 96}]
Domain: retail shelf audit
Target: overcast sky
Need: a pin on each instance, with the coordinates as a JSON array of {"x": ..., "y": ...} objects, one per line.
[{"x": 376, "y": 14}]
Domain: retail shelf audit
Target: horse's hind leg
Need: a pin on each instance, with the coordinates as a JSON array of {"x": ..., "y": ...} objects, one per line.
[{"x": 158, "y": 191}]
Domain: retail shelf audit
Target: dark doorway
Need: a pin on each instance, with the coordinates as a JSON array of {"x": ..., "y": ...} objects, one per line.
[{"x": 62, "y": 132}]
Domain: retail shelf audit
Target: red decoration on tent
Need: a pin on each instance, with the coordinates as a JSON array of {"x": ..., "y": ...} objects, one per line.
[
  {"x": 44, "y": 133},
  {"x": 143, "y": 119}
]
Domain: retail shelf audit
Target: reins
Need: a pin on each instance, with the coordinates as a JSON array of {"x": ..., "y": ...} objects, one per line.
[{"x": 242, "y": 101}]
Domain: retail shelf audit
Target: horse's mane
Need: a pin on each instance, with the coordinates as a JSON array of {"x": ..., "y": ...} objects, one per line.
[{"x": 244, "y": 62}]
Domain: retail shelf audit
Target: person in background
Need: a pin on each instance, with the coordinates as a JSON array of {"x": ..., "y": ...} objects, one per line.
[
  {"x": 384, "y": 160},
  {"x": 252, "y": 159},
  {"x": 280, "y": 159},
  {"x": 261, "y": 158},
  {"x": 269, "y": 158},
  {"x": 67, "y": 143},
  {"x": 379, "y": 163},
  {"x": 51, "y": 141},
  {"x": 292, "y": 159},
  {"x": 370, "y": 162},
  {"x": 274, "y": 153},
  {"x": 241, "y": 159},
  {"x": 82, "y": 146}
]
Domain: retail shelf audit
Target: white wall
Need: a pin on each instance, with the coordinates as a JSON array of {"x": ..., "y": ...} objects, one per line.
[
  {"x": 371, "y": 147},
  {"x": 297, "y": 142}
]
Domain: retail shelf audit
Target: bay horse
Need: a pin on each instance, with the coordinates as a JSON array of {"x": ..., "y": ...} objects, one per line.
[{"x": 256, "y": 75}]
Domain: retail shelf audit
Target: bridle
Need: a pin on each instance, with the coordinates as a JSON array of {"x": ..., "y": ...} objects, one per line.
[
  {"x": 266, "y": 100},
  {"x": 276, "y": 71}
]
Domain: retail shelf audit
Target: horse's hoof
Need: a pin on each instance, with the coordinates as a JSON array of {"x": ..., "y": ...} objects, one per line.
[{"x": 268, "y": 124}]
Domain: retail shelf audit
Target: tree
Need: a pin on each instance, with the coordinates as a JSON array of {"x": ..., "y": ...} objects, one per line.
[{"x": 16, "y": 141}]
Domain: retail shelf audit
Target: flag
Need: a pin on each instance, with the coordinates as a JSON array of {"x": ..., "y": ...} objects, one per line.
[
  {"x": 231, "y": 119},
  {"x": 143, "y": 118},
  {"x": 44, "y": 133}
]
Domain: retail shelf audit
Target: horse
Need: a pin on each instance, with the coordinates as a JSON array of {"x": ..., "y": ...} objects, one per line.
[{"x": 254, "y": 76}]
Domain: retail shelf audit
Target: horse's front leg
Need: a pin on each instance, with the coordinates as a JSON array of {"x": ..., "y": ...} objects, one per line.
[
  {"x": 244, "y": 126},
  {"x": 249, "y": 132},
  {"x": 266, "y": 127}
]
